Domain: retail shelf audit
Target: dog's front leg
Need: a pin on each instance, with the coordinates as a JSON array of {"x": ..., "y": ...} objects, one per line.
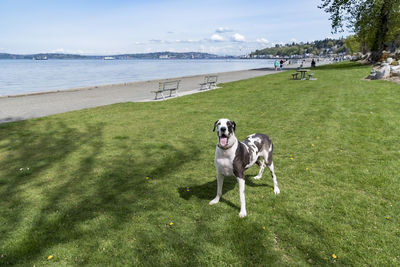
[
  {"x": 220, "y": 182},
  {"x": 243, "y": 212}
]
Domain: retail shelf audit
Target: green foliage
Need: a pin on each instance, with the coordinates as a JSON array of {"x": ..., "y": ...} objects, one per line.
[
  {"x": 374, "y": 22},
  {"x": 321, "y": 47},
  {"x": 86, "y": 201},
  {"x": 352, "y": 44}
]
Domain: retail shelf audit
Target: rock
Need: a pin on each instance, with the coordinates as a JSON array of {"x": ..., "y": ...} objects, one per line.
[
  {"x": 372, "y": 75},
  {"x": 394, "y": 68},
  {"x": 389, "y": 60},
  {"x": 383, "y": 72},
  {"x": 396, "y": 72}
]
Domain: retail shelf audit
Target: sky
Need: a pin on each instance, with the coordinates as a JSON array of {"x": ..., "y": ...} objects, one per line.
[{"x": 109, "y": 27}]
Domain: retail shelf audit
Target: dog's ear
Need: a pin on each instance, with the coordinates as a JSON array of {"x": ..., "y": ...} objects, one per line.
[
  {"x": 234, "y": 126},
  {"x": 215, "y": 125}
]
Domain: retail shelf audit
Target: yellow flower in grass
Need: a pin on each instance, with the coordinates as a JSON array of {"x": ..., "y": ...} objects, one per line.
[
  {"x": 147, "y": 177},
  {"x": 171, "y": 224},
  {"x": 307, "y": 169},
  {"x": 50, "y": 257},
  {"x": 387, "y": 217},
  {"x": 312, "y": 145},
  {"x": 187, "y": 189},
  {"x": 334, "y": 256}
]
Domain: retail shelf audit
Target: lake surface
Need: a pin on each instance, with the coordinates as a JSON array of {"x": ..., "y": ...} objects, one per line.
[{"x": 27, "y": 76}]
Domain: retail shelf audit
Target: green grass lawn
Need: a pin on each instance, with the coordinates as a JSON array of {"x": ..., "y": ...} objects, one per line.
[{"x": 73, "y": 186}]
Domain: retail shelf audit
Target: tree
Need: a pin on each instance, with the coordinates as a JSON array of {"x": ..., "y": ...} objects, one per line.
[
  {"x": 373, "y": 21},
  {"x": 352, "y": 44}
]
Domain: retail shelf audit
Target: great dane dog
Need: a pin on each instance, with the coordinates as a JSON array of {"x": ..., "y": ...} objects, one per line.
[{"x": 233, "y": 157}]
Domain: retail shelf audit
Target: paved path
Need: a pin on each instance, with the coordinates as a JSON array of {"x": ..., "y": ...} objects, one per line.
[{"x": 22, "y": 107}]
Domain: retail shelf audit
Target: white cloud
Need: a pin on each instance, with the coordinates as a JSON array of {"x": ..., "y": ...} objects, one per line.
[
  {"x": 223, "y": 30},
  {"x": 238, "y": 38},
  {"x": 216, "y": 38},
  {"x": 59, "y": 50},
  {"x": 156, "y": 41},
  {"x": 262, "y": 41},
  {"x": 188, "y": 41}
]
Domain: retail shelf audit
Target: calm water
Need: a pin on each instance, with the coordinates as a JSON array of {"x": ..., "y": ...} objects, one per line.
[{"x": 24, "y": 76}]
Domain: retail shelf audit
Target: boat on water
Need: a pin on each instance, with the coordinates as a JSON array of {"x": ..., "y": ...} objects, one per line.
[
  {"x": 109, "y": 58},
  {"x": 39, "y": 58}
]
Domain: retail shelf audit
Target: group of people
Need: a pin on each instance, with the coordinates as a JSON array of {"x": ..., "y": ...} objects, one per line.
[{"x": 281, "y": 62}]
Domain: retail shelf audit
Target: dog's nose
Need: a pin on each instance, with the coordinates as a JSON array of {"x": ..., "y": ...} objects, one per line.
[{"x": 223, "y": 129}]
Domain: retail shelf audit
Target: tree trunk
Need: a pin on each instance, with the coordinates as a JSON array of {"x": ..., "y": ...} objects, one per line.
[{"x": 382, "y": 29}]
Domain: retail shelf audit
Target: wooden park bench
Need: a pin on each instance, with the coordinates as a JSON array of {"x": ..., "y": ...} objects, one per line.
[
  {"x": 210, "y": 82},
  {"x": 170, "y": 87}
]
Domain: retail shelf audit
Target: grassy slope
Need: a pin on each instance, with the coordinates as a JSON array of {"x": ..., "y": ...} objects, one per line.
[{"x": 85, "y": 198}]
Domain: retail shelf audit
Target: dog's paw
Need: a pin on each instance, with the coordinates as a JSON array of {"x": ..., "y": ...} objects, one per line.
[
  {"x": 214, "y": 201},
  {"x": 242, "y": 214},
  {"x": 258, "y": 177},
  {"x": 276, "y": 190}
]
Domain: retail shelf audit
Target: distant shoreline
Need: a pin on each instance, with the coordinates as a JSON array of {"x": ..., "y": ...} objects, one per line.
[
  {"x": 92, "y": 83},
  {"x": 31, "y": 76},
  {"x": 27, "y": 106}
]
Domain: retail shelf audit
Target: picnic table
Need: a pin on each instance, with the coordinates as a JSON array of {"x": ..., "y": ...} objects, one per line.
[{"x": 303, "y": 73}]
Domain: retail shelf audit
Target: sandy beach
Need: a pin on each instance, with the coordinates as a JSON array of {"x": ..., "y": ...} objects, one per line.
[{"x": 22, "y": 107}]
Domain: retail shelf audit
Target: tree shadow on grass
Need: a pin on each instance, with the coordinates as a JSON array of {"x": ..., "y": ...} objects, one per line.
[
  {"x": 89, "y": 185},
  {"x": 32, "y": 150},
  {"x": 313, "y": 230}
]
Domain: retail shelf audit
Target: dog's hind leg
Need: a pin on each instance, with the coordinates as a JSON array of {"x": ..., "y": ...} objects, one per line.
[
  {"x": 268, "y": 160},
  {"x": 220, "y": 182},
  {"x": 274, "y": 181},
  {"x": 261, "y": 164}
]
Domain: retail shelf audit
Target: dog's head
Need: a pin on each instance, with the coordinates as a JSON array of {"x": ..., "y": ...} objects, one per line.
[{"x": 225, "y": 131}]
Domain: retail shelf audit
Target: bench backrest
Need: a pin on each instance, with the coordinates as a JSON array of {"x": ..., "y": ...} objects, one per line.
[
  {"x": 212, "y": 79},
  {"x": 171, "y": 85}
]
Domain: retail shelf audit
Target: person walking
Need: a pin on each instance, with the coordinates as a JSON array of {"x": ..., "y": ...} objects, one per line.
[
  {"x": 281, "y": 64},
  {"x": 276, "y": 64}
]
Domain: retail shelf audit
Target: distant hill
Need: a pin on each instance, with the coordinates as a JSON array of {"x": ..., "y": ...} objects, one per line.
[
  {"x": 46, "y": 55},
  {"x": 294, "y": 50},
  {"x": 157, "y": 55}
]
